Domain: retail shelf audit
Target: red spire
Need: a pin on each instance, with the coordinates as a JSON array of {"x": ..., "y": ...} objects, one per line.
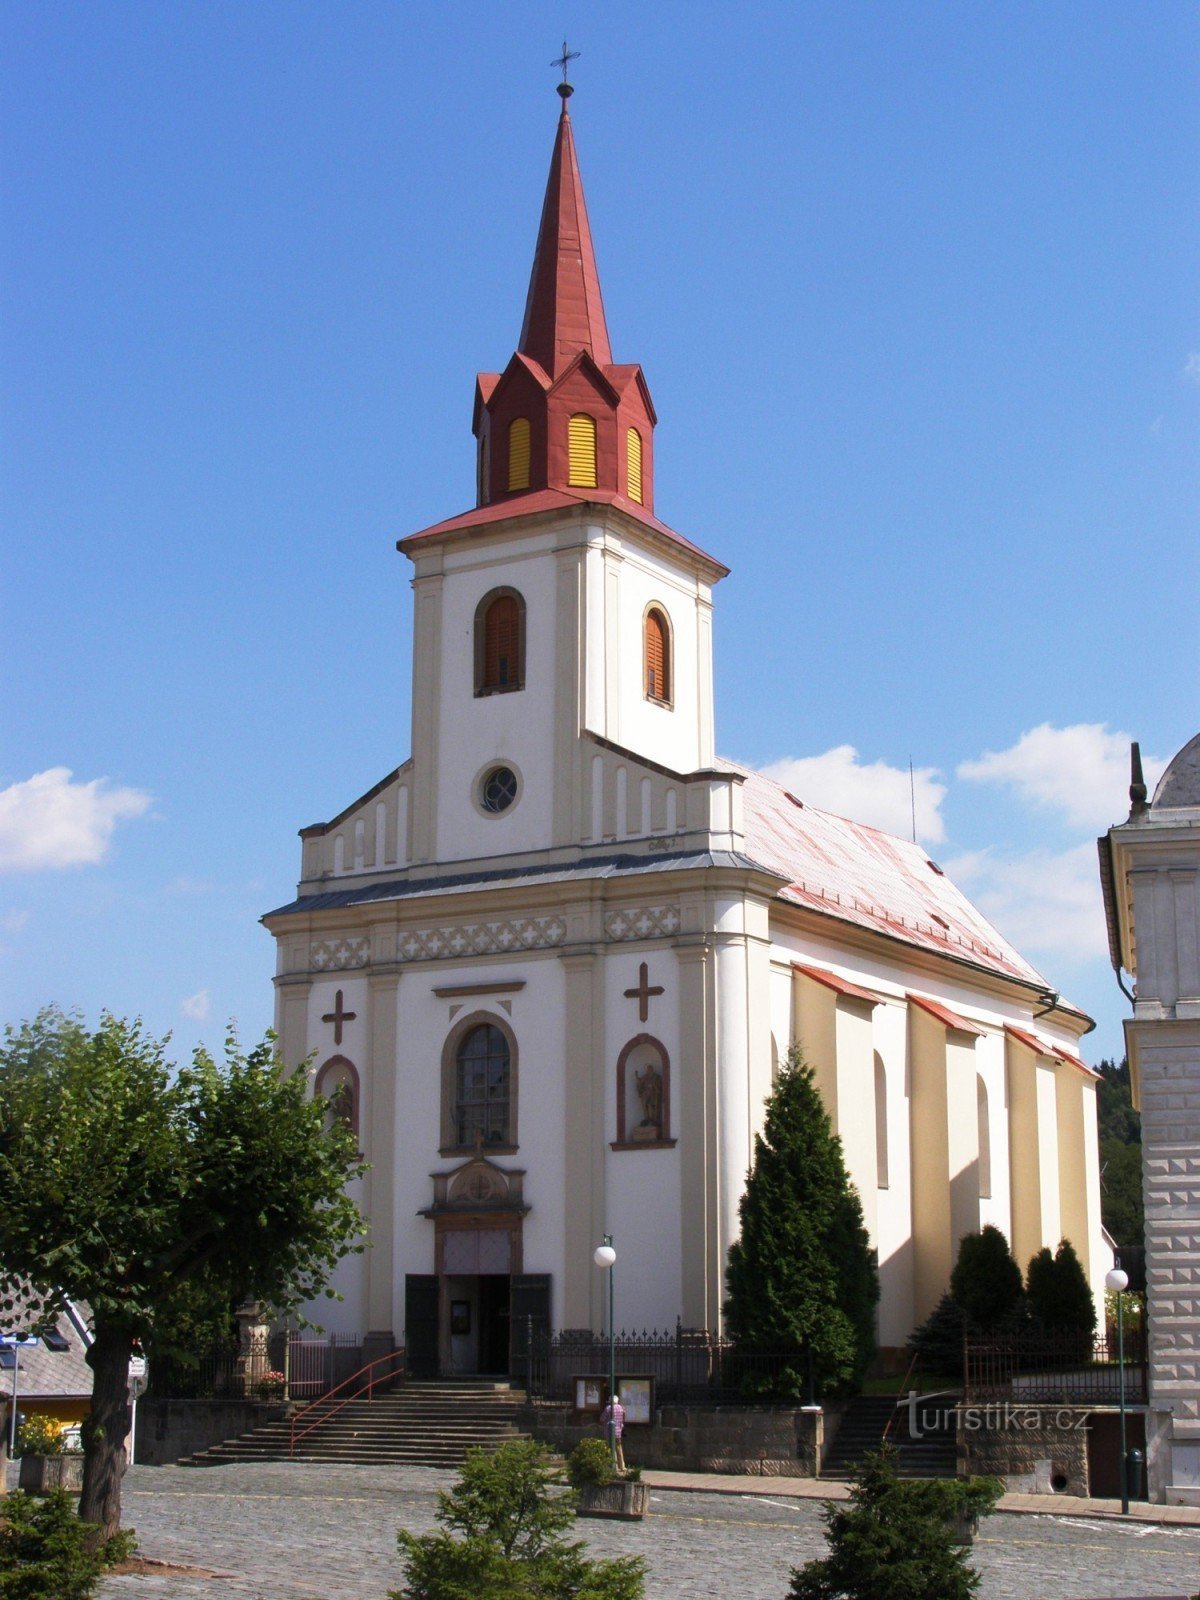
[{"x": 564, "y": 312}]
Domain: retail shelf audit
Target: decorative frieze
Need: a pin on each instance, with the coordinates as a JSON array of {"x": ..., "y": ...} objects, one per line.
[
  {"x": 337, "y": 955},
  {"x": 480, "y": 938},
  {"x": 642, "y": 922}
]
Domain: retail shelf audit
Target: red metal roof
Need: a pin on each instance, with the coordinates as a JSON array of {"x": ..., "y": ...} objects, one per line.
[
  {"x": 1073, "y": 1061},
  {"x": 861, "y": 875},
  {"x": 529, "y": 504},
  {"x": 943, "y": 1014},
  {"x": 564, "y": 310},
  {"x": 832, "y": 981},
  {"x": 1028, "y": 1040}
]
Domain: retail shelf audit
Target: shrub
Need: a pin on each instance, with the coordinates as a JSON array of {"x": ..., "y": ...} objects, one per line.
[
  {"x": 40, "y": 1436},
  {"x": 590, "y": 1464},
  {"x": 986, "y": 1281},
  {"x": 1060, "y": 1298},
  {"x": 895, "y": 1539},
  {"x": 46, "y": 1553},
  {"x": 510, "y": 1519}
]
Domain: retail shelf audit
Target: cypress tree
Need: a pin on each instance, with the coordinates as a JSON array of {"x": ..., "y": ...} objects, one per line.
[
  {"x": 802, "y": 1279},
  {"x": 986, "y": 1281},
  {"x": 1060, "y": 1298}
]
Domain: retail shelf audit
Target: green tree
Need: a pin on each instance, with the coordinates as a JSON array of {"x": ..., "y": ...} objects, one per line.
[
  {"x": 45, "y": 1553},
  {"x": 986, "y": 1281},
  {"x": 802, "y": 1279},
  {"x": 158, "y": 1195},
  {"x": 1114, "y": 1103},
  {"x": 503, "y": 1535},
  {"x": 895, "y": 1539},
  {"x": 1122, "y": 1208},
  {"x": 1059, "y": 1296}
]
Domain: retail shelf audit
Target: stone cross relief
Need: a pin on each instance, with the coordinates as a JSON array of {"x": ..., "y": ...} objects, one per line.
[
  {"x": 337, "y": 1016},
  {"x": 643, "y": 992}
]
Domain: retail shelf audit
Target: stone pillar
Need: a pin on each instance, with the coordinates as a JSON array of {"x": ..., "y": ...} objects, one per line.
[
  {"x": 585, "y": 1137},
  {"x": 380, "y": 1144},
  {"x": 253, "y": 1363},
  {"x": 696, "y": 1099}
]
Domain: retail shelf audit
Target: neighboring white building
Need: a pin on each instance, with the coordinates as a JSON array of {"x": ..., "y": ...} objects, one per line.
[
  {"x": 554, "y": 958},
  {"x": 1150, "y": 868}
]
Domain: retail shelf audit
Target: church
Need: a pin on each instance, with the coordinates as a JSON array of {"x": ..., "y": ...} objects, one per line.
[{"x": 548, "y": 966}]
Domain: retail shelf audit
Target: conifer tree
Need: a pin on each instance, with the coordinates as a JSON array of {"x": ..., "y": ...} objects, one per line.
[
  {"x": 802, "y": 1279},
  {"x": 986, "y": 1281},
  {"x": 1060, "y": 1299}
]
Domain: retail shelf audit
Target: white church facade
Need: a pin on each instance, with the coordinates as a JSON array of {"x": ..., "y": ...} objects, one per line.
[{"x": 551, "y": 962}]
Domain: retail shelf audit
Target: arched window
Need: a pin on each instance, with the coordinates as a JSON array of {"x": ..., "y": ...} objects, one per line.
[
  {"x": 500, "y": 642},
  {"x": 581, "y": 451},
  {"x": 881, "y": 1123},
  {"x": 985, "y": 1140},
  {"x": 337, "y": 1081},
  {"x": 482, "y": 1087},
  {"x": 643, "y": 1095},
  {"x": 656, "y": 632},
  {"x": 633, "y": 465},
  {"x": 518, "y": 454}
]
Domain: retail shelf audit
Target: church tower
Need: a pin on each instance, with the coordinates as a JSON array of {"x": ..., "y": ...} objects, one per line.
[{"x": 559, "y": 604}]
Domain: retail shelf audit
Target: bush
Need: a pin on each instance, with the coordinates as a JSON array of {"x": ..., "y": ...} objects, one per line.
[
  {"x": 895, "y": 1539},
  {"x": 41, "y": 1436},
  {"x": 46, "y": 1553},
  {"x": 986, "y": 1281},
  {"x": 590, "y": 1464},
  {"x": 510, "y": 1519},
  {"x": 938, "y": 1342}
]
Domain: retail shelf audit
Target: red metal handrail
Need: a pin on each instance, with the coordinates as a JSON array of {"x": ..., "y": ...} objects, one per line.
[
  {"x": 372, "y": 1380},
  {"x": 912, "y": 1367}
]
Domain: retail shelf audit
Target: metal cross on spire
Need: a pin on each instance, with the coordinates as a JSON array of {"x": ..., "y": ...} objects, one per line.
[{"x": 564, "y": 88}]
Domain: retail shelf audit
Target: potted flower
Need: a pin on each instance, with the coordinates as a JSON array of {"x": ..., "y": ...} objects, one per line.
[
  {"x": 271, "y": 1386},
  {"x": 45, "y": 1461},
  {"x": 599, "y": 1491}
]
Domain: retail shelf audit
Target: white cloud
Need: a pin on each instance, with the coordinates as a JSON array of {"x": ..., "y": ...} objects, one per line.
[
  {"x": 1045, "y": 903},
  {"x": 1082, "y": 771},
  {"x": 1191, "y": 367},
  {"x": 873, "y": 793},
  {"x": 51, "y": 821},
  {"x": 196, "y": 1006}
]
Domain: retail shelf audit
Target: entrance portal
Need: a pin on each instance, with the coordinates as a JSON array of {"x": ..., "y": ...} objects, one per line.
[{"x": 476, "y": 1320}]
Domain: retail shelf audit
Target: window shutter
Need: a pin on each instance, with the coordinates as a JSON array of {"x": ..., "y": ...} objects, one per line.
[
  {"x": 581, "y": 451},
  {"x": 633, "y": 464},
  {"x": 656, "y": 652},
  {"x": 502, "y": 643},
  {"x": 518, "y": 453}
]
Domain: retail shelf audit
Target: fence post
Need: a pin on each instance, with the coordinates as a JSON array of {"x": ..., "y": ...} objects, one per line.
[{"x": 529, "y": 1358}]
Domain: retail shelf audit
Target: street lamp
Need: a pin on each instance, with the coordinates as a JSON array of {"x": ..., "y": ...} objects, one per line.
[
  {"x": 1118, "y": 1281},
  {"x": 605, "y": 1258}
]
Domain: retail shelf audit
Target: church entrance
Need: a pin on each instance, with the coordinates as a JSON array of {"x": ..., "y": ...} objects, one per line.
[{"x": 477, "y": 1319}]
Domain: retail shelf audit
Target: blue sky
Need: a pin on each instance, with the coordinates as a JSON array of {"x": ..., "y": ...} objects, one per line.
[{"x": 913, "y": 287}]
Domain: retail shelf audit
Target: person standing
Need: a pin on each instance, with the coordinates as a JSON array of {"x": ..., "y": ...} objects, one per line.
[{"x": 613, "y": 1418}]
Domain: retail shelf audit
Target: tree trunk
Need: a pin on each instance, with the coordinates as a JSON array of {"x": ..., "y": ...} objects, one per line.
[{"x": 106, "y": 1430}]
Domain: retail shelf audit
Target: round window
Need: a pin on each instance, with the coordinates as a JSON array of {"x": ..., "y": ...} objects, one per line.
[{"x": 498, "y": 790}]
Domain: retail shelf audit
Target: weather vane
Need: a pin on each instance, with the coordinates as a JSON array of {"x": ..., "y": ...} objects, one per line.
[{"x": 564, "y": 87}]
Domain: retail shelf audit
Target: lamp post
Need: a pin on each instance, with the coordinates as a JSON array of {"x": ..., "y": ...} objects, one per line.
[
  {"x": 605, "y": 1258},
  {"x": 1118, "y": 1281}
]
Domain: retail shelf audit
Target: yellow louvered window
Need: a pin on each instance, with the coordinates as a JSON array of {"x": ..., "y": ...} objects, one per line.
[
  {"x": 656, "y": 657},
  {"x": 633, "y": 465},
  {"x": 581, "y": 451},
  {"x": 518, "y": 454}
]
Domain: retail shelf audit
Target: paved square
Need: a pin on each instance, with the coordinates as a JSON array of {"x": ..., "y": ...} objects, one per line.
[{"x": 278, "y": 1532}]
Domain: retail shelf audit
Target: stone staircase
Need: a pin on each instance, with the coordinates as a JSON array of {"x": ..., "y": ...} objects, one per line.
[
  {"x": 431, "y": 1424},
  {"x": 933, "y": 1454}
]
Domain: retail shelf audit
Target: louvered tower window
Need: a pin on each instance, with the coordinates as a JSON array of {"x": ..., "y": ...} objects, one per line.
[
  {"x": 581, "y": 451},
  {"x": 633, "y": 465},
  {"x": 657, "y": 655},
  {"x": 518, "y": 454},
  {"x": 500, "y": 642}
]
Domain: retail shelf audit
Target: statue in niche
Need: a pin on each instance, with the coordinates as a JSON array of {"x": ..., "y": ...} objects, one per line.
[{"x": 649, "y": 1086}]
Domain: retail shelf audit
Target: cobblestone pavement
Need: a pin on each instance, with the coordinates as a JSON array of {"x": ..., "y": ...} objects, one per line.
[{"x": 278, "y": 1532}]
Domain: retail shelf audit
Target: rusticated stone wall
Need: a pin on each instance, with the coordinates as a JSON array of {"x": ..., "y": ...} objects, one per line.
[
  {"x": 759, "y": 1441},
  {"x": 1035, "y": 1449}
]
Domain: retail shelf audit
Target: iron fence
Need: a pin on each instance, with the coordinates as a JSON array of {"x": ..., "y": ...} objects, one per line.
[
  {"x": 1059, "y": 1370},
  {"x": 689, "y": 1366},
  {"x": 276, "y": 1366}
]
